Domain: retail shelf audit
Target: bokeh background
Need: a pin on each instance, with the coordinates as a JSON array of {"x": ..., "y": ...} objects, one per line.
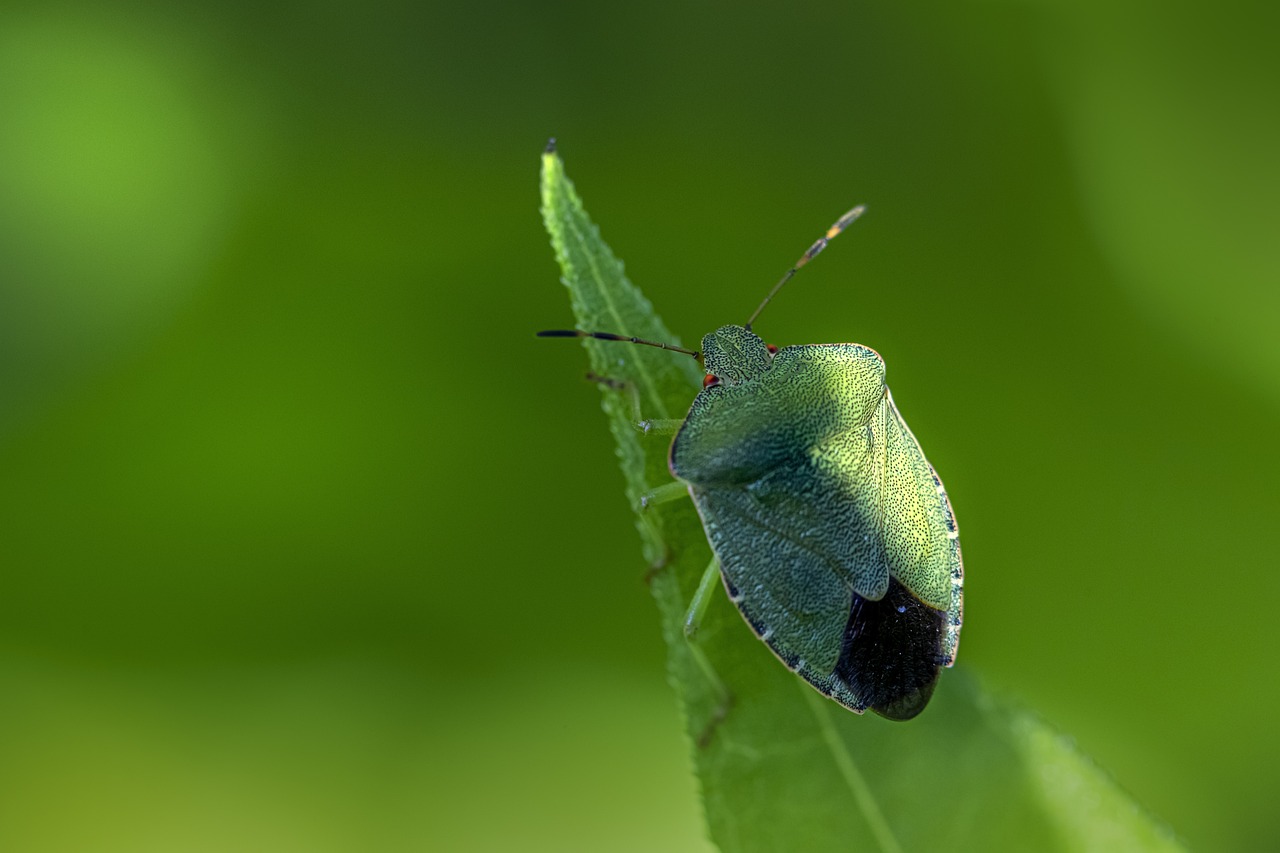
[{"x": 307, "y": 544}]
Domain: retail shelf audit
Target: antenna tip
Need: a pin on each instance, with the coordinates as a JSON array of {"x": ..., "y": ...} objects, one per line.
[
  {"x": 845, "y": 221},
  {"x": 559, "y": 333}
]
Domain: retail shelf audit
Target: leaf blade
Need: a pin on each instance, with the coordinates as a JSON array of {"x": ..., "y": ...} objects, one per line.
[{"x": 787, "y": 769}]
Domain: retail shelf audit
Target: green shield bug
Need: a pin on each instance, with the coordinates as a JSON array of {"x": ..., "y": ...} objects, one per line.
[{"x": 831, "y": 532}]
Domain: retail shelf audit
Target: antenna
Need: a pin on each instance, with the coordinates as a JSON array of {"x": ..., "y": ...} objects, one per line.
[
  {"x": 609, "y": 336},
  {"x": 842, "y": 223}
]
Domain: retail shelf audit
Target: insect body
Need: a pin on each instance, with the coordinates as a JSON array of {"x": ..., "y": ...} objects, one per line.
[{"x": 834, "y": 536}]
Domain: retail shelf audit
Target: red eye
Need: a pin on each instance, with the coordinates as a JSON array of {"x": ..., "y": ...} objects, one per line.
[
  {"x": 709, "y": 380},
  {"x": 772, "y": 349}
]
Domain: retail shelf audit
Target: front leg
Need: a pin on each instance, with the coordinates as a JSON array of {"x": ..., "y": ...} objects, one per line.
[{"x": 657, "y": 426}]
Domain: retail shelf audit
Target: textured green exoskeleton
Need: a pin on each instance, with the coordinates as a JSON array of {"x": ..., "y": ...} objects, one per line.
[{"x": 835, "y": 537}]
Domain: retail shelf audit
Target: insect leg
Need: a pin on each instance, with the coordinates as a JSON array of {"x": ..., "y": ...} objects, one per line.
[
  {"x": 649, "y": 522},
  {"x": 692, "y": 621},
  {"x": 701, "y": 598},
  {"x": 666, "y": 493},
  {"x": 609, "y": 382},
  {"x": 659, "y": 426}
]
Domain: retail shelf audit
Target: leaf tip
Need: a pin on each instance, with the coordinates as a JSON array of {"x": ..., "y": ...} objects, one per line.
[{"x": 552, "y": 168}]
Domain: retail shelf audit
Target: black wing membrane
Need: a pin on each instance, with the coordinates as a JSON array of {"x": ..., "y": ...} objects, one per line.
[{"x": 892, "y": 652}]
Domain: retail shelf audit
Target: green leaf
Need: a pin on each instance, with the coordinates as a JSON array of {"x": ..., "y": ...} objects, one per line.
[{"x": 788, "y": 769}]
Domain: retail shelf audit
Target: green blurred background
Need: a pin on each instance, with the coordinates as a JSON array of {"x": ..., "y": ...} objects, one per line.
[{"x": 308, "y": 544}]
